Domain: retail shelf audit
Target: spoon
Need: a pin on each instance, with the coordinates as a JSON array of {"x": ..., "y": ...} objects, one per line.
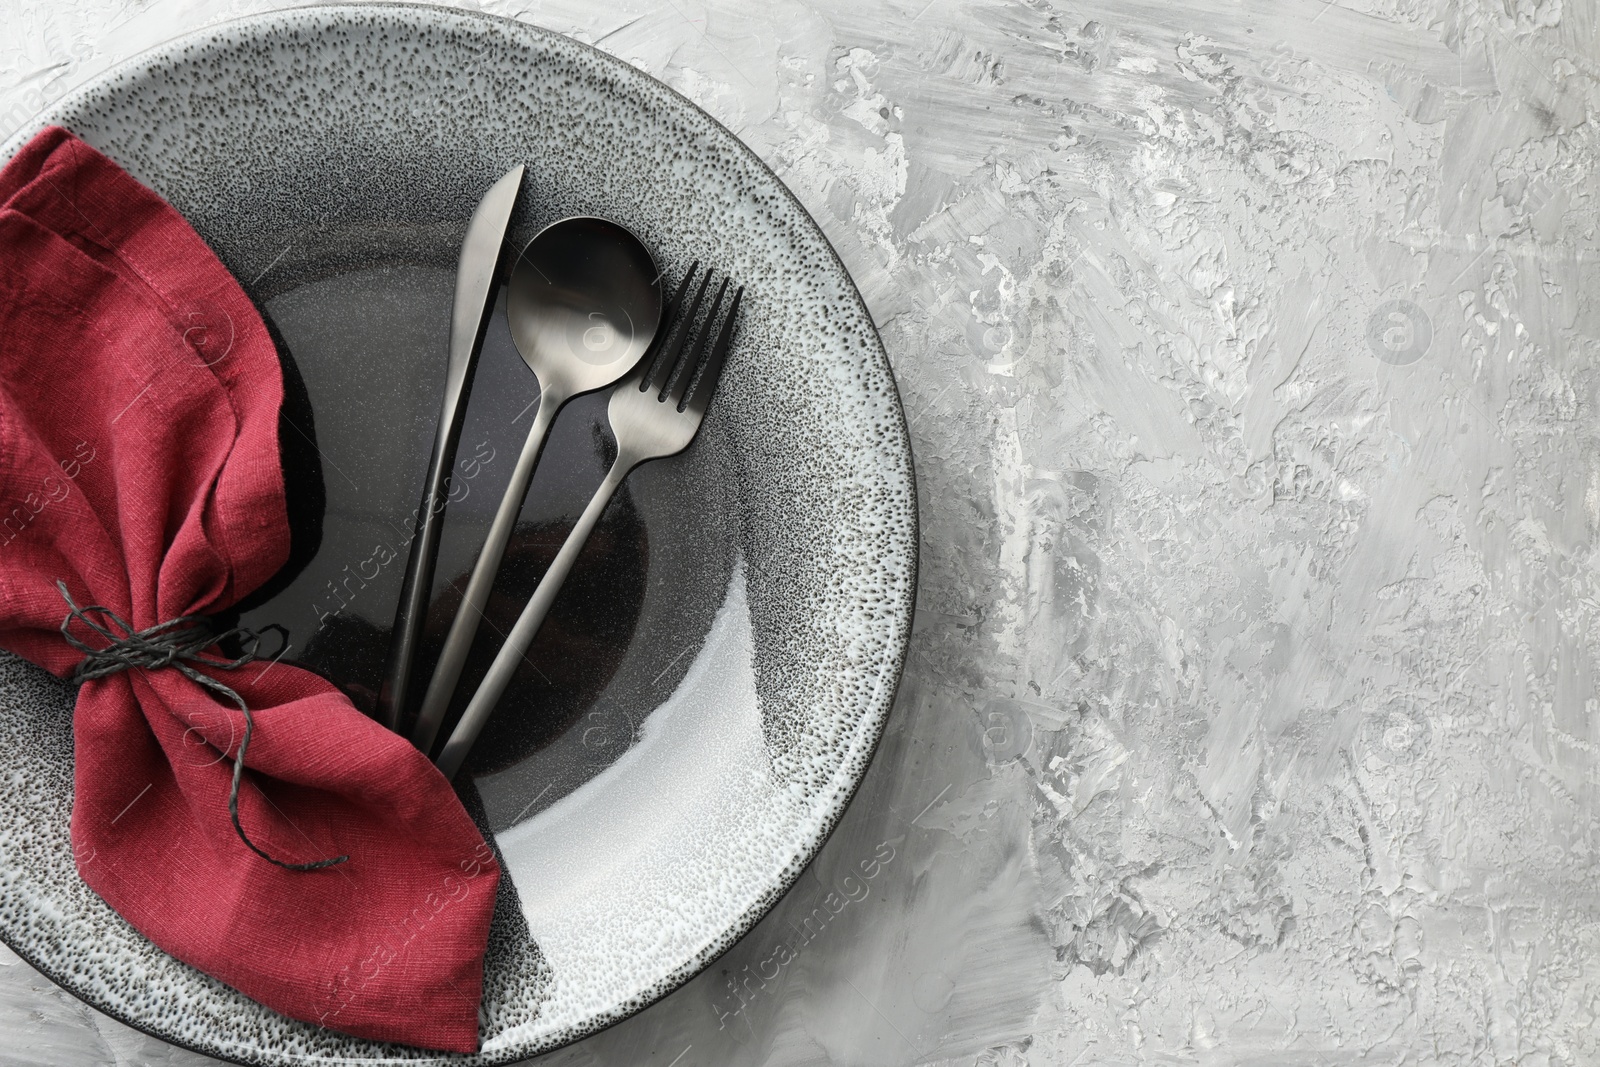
[{"x": 583, "y": 303}]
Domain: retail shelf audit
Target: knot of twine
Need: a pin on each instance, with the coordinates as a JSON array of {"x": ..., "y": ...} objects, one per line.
[{"x": 177, "y": 643}]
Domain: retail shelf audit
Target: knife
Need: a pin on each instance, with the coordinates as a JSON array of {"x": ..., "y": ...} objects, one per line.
[{"x": 475, "y": 285}]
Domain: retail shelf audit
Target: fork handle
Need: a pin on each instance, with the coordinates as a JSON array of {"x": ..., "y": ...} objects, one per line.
[
  {"x": 494, "y": 684},
  {"x": 464, "y": 627}
]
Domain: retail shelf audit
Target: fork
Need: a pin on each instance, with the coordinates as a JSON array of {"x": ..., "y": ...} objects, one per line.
[{"x": 654, "y": 413}]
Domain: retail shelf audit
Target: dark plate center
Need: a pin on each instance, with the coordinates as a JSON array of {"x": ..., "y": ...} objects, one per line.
[{"x": 365, "y": 348}]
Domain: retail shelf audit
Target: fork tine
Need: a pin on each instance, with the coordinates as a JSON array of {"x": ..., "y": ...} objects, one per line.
[
  {"x": 672, "y": 352},
  {"x": 705, "y": 383},
  {"x": 665, "y": 338},
  {"x": 684, "y": 374},
  {"x": 675, "y": 301}
]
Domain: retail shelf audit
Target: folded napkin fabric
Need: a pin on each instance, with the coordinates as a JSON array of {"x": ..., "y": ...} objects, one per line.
[{"x": 139, "y": 465}]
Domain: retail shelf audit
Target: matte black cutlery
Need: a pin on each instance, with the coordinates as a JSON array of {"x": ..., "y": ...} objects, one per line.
[
  {"x": 584, "y": 304},
  {"x": 654, "y": 413}
]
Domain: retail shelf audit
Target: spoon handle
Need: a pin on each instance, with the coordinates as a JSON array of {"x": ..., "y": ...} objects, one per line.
[
  {"x": 506, "y": 661},
  {"x": 464, "y": 627}
]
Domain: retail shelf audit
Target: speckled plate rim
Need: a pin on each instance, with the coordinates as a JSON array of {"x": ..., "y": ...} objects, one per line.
[{"x": 854, "y": 763}]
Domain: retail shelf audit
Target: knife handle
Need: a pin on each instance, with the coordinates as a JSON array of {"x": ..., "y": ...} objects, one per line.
[
  {"x": 412, "y": 611},
  {"x": 464, "y": 627}
]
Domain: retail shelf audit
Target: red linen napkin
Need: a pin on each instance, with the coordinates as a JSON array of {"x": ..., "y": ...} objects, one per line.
[{"x": 139, "y": 463}]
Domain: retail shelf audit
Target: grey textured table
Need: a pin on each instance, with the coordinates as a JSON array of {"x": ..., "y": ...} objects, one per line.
[{"x": 1249, "y": 351}]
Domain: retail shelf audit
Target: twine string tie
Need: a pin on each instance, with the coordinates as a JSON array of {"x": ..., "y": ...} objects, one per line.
[{"x": 180, "y": 644}]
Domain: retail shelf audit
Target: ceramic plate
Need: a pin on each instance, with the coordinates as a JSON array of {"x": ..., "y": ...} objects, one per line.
[{"x": 706, "y": 695}]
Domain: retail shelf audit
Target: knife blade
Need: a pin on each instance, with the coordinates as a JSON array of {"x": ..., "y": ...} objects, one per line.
[{"x": 476, "y": 275}]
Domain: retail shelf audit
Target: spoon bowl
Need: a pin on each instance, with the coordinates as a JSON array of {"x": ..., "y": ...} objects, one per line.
[{"x": 584, "y": 304}]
